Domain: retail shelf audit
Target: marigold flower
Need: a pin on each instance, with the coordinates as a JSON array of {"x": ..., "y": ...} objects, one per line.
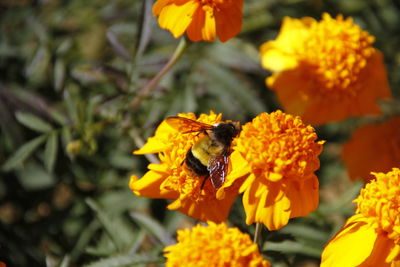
[
  {"x": 371, "y": 237},
  {"x": 214, "y": 245},
  {"x": 201, "y": 19},
  {"x": 325, "y": 71},
  {"x": 277, "y": 155},
  {"x": 373, "y": 148},
  {"x": 172, "y": 180}
]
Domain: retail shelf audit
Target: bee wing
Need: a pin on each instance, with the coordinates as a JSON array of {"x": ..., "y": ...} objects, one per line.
[
  {"x": 218, "y": 168},
  {"x": 185, "y": 125}
]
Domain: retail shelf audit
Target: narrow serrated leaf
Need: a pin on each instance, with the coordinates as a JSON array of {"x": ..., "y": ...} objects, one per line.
[
  {"x": 153, "y": 227},
  {"x": 115, "y": 227},
  {"x": 23, "y": 153},
  {"x": 289, "y": 246},
  {"x": 50, "y": 151},
  {"x": 33, "y": 122},
  {"x": 65, "y": 261},
  {"x": 59, "y": 74},
  {"x": 125, "y": 260}
]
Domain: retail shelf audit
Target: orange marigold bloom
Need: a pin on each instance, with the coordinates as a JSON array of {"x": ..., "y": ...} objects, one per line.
[
  {"x": 201, "y": 19},
  {"x": 172, "y": 180},
  {"x": 373, "y": 148},
  {"x": 277, "y": 155},
  {"x": 214, "y": 245},
  {"x": 371, "y": 237},
  {"x": 325, "y": 71}
]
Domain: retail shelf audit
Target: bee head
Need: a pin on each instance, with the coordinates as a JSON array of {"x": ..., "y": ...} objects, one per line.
[{"x": 225, "y": 132}]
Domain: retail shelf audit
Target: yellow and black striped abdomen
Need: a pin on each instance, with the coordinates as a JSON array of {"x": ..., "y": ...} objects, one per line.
[{"x": 198, "y": 157}]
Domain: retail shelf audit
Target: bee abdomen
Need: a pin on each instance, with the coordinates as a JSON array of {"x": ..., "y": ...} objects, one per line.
[{"x": 195, "y": 164}]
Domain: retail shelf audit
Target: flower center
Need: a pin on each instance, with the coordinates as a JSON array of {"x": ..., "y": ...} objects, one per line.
[
  {"x": 380, "y": 203},
  {"x": 279, "y": 146},
  {"x": 338, "y": 51}
]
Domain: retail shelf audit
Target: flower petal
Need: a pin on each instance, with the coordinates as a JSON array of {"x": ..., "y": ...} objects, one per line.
[
  {"x": 149, "y": 186},
  {"x": 351, "y": 246},
  {"x": 229, "y": 20},
  {"x": 302, "y": 204},
  {"x": 176, "y": 18}
]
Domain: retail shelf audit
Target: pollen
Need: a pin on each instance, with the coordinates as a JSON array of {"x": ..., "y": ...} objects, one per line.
[{"x": 379, "y": 202}]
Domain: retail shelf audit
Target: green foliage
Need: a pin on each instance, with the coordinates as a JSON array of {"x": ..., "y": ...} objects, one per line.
[{"x": 70, "y": 75}]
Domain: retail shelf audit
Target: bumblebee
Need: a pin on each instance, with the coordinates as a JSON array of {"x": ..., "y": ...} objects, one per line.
[{"x": 209, "y": 156}]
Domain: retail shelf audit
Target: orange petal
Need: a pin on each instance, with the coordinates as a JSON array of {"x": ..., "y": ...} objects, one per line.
[
  {"x": 176, "y": 18},
  {"x": 381, "y": 253},
  {"x": 202, "y": 26},
  {"x": 351, "y": 246},
  {"x": 194, "y": 30},
  {"x": 229, "y": 21},
  {"x": 304, "y": 198},
  {"x": 149, "y": 186},
  {"x": 159, "y": 5},
  {"x": 207, "y": 209}
]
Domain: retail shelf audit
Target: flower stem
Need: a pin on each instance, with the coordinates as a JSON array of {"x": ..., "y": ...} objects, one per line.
[
  {"x": 257, "y": 234},
  {"x": 150, "y": 86}
]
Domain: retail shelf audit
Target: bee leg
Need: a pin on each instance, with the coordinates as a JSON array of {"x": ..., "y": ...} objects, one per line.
[{"x": 203, "y": 183}]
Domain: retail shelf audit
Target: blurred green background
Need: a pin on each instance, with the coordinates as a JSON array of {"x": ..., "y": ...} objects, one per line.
[{"x": 69, "y": 75}]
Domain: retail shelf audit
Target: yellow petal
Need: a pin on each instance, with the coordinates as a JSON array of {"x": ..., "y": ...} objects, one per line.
[
  {"x": 275, "y": 59},
  {"x": 176, "y": 18},
  {"x": 159, "y": 5},
  {"x": 209, "y": 31},
  {"x": 149, "y": 186},
  {"x": 350, "y": 247}
]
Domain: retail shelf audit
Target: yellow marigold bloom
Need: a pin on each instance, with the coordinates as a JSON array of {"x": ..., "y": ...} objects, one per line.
[
  {"x": 325, "y": 71},
  {"x": 201, "y": 19},
  {"x": 277, "y": 154},
  {"x": 373, "y": 147},
  {"x": 371, "y": 237},
  {"x": 214, "y": 245},
  {"x": 172, "y": 180}
]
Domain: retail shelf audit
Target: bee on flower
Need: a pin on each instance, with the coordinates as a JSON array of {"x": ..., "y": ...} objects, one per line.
[{"x": 194, "y": 161}]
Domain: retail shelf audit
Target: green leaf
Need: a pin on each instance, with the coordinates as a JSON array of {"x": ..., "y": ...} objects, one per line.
[
  {"x": 33, "y": 122},
  {"x": 118, "y": 231},
  {"x": 125, "y": 260},
  {"x": 23, "y": 153},
  {"x": 50, "y": 152},
  {"x": 292, "y": 247},
  {"x": 65, "y": 261},
  {"x": 153, "y": 227},
  {"x": 33, "y": 177}
]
